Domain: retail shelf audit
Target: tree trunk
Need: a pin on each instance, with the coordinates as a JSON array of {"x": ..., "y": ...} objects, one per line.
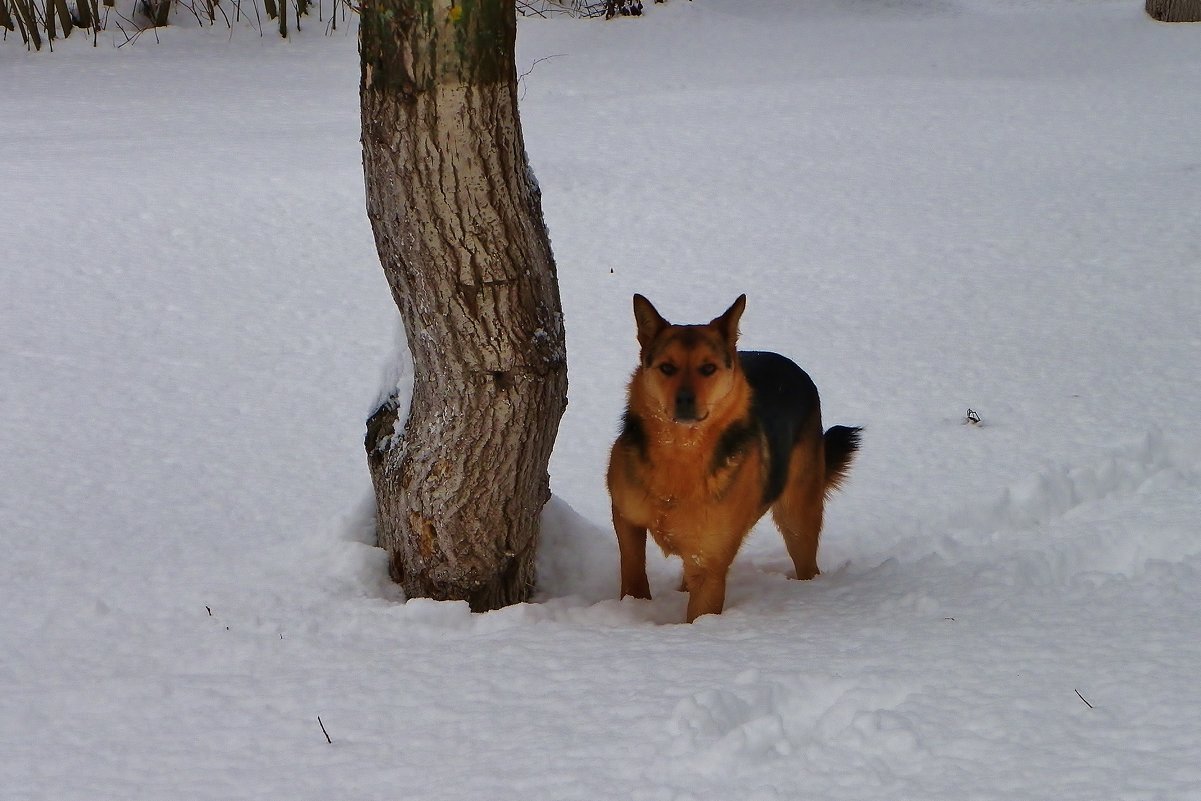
[
  {"x": 27, "y": 22},
  {"x": 83, "y": 9},
  {"x": 6, "y": 20},
  {"x": 159, "y": 12},
  {"x": 64, "y": 16},
  {"x": 458, "y": 223},
  {"x": 1175, "y": 10}
]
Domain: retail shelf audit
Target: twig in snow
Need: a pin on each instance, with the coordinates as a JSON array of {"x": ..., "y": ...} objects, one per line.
[
  {"x": 1085, "y": 700},
  {"x": 537, "y": 61},
  {"x": 331, "y": 742}
]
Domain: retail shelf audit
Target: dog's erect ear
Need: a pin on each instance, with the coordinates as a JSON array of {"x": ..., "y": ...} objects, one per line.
[
  {"x": 650, "y": 322},
  {"x": 727, "y": 324}
]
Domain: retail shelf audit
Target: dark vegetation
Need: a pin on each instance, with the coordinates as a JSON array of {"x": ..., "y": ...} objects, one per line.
[{"x": 39, "y": 24}]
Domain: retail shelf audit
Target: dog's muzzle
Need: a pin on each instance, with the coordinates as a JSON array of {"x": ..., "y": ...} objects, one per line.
[{"x": 685, "y": 406}]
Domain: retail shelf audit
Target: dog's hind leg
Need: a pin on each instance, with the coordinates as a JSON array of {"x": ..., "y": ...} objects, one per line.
[
  {"x": 631, "y": 545},
  {"x": 799, "y": 509}
]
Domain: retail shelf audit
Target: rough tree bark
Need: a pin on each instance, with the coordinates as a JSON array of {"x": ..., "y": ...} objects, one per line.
[
  {"x": 458, "y": 223},
  {"x": 1175, "y": 10}
]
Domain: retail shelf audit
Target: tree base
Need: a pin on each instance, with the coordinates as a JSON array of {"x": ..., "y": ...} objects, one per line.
[{"x": 513, "y": 585}]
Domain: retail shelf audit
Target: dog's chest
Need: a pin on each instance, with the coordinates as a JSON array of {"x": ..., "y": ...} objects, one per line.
[
  {"x": 686, "y": 502},
  {"x": 673, "y": 523}
]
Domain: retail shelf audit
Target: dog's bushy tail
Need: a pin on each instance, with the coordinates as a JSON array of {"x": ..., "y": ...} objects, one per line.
[{"x": 841, "y": 444}]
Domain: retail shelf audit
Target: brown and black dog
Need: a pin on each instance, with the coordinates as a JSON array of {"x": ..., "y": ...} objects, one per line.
[{"x": 712, "y": 438}]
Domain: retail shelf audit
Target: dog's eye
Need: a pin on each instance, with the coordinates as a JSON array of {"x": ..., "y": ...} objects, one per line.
[
  {"x": 667, "y": 368},
  {"x": 707, "y": 369}
]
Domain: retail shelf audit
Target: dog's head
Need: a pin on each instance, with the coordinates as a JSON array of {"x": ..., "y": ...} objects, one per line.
[{"x": 687, "y": 371}]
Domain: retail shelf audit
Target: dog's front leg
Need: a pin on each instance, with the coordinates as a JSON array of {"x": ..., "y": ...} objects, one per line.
[
  {"x": 705, "y": 580},
  {"x": 631, "y": 543}
]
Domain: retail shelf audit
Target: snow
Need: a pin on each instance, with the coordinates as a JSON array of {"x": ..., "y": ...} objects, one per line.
[{"x": 932, "y": 205}]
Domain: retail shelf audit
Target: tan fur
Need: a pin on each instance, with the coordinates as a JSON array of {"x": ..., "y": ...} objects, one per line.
[{"x": 666, "y": 482}]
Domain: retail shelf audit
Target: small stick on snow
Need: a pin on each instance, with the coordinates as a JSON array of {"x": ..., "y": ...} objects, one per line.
[
  {"x": 1085, "y": 700},
  {"x": 537, "y": 61},
  {"x": 331, "y": 742}
]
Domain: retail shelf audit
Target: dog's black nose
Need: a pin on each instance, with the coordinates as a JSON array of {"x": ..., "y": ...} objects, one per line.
[{"x": 685, "y": 405}]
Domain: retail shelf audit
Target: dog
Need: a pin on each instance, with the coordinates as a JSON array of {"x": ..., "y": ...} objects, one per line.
[{"x": 713, "y": 437}]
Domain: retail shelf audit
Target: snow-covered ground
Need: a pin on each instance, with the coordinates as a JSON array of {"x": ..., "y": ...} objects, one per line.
[{"x": 933, "y": 205}]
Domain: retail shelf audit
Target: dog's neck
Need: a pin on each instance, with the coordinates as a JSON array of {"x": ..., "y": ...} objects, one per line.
[{"x": 671, "y": 434}]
